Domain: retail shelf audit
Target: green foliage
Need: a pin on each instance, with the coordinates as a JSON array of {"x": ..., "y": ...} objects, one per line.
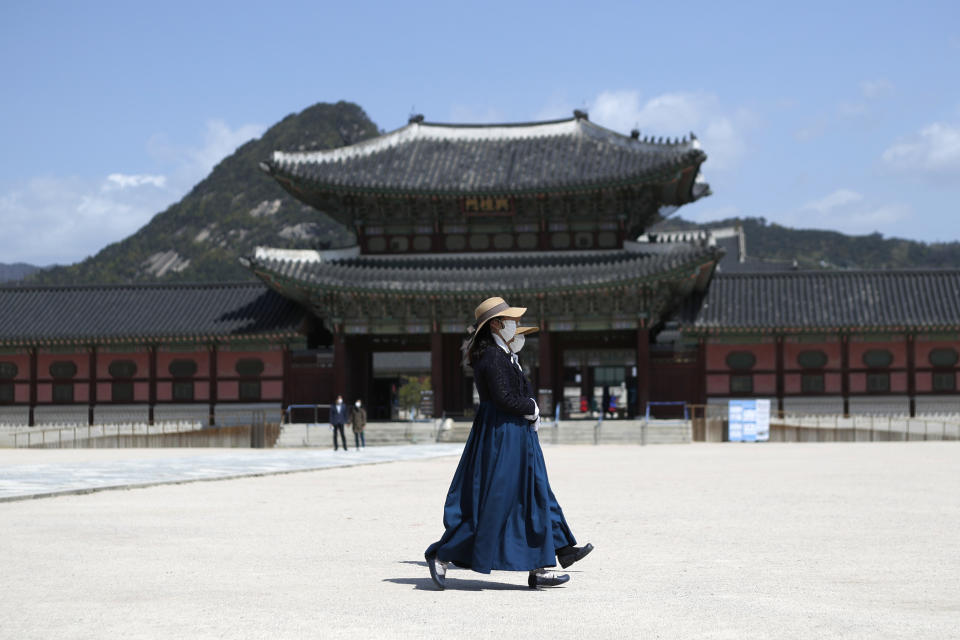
[
  {"x": 408, "y": 395},
  {"x": 214, "y": 224}
]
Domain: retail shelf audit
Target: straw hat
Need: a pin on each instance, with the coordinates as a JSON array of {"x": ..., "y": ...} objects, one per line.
[
  {"x": 486, "y": 311},
  {"x": 525, "y": 330}
]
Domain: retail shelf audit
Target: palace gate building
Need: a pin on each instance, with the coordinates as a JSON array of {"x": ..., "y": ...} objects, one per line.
[
  {"x": 545, "y": 215},
  {"x": 548, "y": 215}
]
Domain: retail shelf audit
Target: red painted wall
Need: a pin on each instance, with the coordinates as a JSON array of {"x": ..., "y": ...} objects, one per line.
[
  {"x": 229, "y": 390},
  {"x": 764, "y": 383},
  {"x": 924, "y": 381},
  {"x": 858, "y": 382},
  {"x": 81, "y": 392},
  {"x": 44, "y": 392},
  {"x": 718, "y": 384},
  {"x": 21, "y": 393},
  {"x": 271, "y": 390},
  {"x": 833, "y": 383}
]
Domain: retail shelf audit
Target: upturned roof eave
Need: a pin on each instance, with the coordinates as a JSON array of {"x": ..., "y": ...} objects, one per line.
[{"x": 663, "y": 174}]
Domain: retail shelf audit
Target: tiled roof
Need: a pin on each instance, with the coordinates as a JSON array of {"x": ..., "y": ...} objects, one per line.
[
  {"x": 926, "y": 299},
  {"x": 149, "y": 311},
  {"x": 492, "y": 159},
  {"x": 458, "y": 273}
]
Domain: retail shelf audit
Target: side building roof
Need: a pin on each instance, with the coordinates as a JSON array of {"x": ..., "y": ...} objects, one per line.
[
  {"x": 925, "y": 299},
  {"x": 162, "y": 312},
  {"x": 441, "y": 275},
  {"x": 504, "y": 159}
]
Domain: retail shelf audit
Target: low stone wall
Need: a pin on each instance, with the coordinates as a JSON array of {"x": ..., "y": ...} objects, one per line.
[{"x": 568, "y": 432}]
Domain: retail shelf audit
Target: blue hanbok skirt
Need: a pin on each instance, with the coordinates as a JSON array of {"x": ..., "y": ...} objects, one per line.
[{"x": 500, "y": 513}]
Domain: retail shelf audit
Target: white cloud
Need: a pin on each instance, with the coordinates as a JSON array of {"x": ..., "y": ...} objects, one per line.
[
  {"x": 846, "y": 211},
  {"x": 872, "y": 89},
  {"x": 62, "y": 220},
  {"x": 838, "y": 198},
  {"x": 933, "y": 154},
  {"x": 722, "y": 132},
  {"x": 124, "y": 181}
]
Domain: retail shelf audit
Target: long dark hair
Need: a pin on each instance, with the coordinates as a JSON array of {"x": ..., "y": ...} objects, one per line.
[{"x": 482, "y": 340}]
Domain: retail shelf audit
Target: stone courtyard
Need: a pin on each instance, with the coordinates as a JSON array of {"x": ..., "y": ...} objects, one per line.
[{"x": 828, "y": 540}]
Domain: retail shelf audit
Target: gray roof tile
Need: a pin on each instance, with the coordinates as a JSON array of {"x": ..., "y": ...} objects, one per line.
[
  {"x": 923, "y": 299},
  {"x": 146, "y": 311}
]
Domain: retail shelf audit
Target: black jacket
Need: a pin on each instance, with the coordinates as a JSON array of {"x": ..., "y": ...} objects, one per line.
[{"x": 500, "y": 381}]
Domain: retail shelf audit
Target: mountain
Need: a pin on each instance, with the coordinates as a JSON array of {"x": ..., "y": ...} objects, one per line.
[
  {"x": 234, "y": 209},
  {"x": 816, "y": 249},
  {"x": 16, "y": 271}
]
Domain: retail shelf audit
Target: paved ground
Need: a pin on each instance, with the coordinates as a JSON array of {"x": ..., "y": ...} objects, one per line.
[
  {"x": 841, "y": 540},
  {"x": 37, "y": 473}
]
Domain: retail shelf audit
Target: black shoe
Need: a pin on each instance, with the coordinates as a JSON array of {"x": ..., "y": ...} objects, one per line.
[
  {"x": 438, "y": 571},
  {"x": 568, "y": 555},
  {"x": 544, "y": 578}
]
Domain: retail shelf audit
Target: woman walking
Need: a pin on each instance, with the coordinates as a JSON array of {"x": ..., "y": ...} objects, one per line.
[{"x": 500, "y": 513}]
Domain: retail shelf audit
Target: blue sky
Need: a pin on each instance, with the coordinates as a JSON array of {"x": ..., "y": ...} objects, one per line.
[{"x": 842, "y": 116}]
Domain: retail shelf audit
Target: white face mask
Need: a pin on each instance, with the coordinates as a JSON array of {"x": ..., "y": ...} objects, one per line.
[
  {"x": 517, "y": 343},
  {"x": 357, "y": 404},
  {"x": 508, "y": 330},
  {"x": 339, "y": 402}
]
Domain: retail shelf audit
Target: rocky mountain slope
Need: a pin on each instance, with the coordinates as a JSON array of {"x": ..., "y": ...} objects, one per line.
[{"x": 231, "y": 211}]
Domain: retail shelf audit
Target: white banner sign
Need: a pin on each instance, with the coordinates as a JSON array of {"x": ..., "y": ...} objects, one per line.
[{"x": 748, "y": 420}]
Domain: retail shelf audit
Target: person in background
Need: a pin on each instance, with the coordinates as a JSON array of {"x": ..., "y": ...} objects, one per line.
[
  {"x": 358, "y": 420},
  {"x": 338, "y": 417}
]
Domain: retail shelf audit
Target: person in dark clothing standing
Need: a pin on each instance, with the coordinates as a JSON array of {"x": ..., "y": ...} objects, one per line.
[
  {"x": 338, "y": 417},
  {"x": 358, "y": 420},
  {"x": 500, "y": 513}
]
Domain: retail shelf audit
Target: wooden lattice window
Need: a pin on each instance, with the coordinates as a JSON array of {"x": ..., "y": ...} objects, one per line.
[
  {"x": 878, "y": 358},
  {"x": 812, "y": 359},
  {"x": 8, "y": 370},
  {"x": 63, "y": 392},
  {"x": 741, "y": 384},
  {"x": 741, "y": 360},
  {"x": 943, "y": 357},
  {"x": 945, "y": 381},
  {"x": 878, "y": 382},
  {"x": 812, "y": 383},
  {"x": 6, "y": 393},
  {"x": 63, "y": 370}
]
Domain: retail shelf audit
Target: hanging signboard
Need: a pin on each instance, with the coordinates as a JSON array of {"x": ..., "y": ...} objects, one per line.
[{"x": 748, "y": 420}]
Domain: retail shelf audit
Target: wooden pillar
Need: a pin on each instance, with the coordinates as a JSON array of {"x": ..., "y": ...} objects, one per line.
[
  {"x": 780, "y": 384},
  {"x": 287, "y": 370},
  {"x": 912, "y": 373},
  {"x": 845, "y": 372},
  {"x": 92, "y": 394},
  {"x": 153, "y": 381},
  {"x": 643, "y": 369},
  {"x": 33, "y": 385},
  {"x": 702, "y": 371},
  {"x": 436, "y": 373},
  {"x": 340, "y": 363},
  {"x": 213, "y": 383},
  {"x": 546, "y": 399}
]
